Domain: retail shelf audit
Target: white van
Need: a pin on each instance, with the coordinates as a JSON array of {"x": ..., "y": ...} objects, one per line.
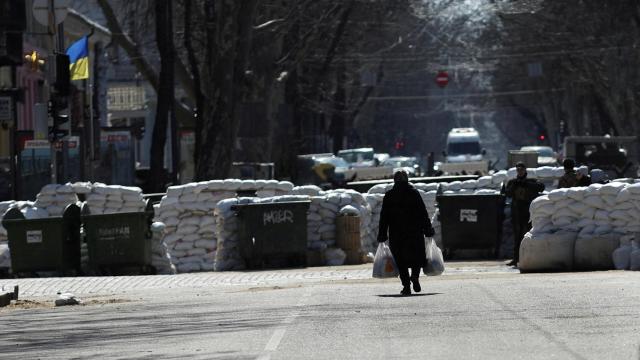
[
  {"x": 463, "y": 145},
  {"x": 464, "y": 155}
]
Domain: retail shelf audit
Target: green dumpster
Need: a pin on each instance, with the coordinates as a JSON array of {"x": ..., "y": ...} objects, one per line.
[
  {"x": 273, "y": 235},
  {"x": 48, "y": 244},
  {"x": 120, "y": 241}
]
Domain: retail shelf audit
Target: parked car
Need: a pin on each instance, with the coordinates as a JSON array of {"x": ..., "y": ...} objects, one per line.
[
  {"x": 380, "y": 158},
  {"x": 546, "y": 155},
  {"x": 406, "y": 163},
  {"x": 361, "y": 157}
]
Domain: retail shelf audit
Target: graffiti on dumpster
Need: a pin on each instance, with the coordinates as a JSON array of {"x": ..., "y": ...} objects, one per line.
[
  {"x": 468, "y": 215},
  {"x": 277, "y": 217}
]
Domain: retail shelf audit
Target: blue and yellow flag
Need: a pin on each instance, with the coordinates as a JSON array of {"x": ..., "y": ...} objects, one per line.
[{"x": 79, "y": 59}]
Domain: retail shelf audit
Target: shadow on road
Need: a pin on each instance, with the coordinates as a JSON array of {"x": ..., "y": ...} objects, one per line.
[{"x": 400, "y": 295}]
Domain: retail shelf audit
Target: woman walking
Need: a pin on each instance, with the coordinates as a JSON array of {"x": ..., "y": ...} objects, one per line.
[{"x": 404, "y": 220}]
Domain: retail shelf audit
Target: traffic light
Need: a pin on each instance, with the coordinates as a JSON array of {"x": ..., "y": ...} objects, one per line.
[
  {"x": 60, "y": 128},
  {"x": 60, "y": 122},
  {"x": 399, "y": 144},
  {"x": 62, "y": 85}
]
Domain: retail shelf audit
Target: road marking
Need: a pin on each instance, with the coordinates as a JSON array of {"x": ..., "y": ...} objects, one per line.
[{"x": 278, "y": 335}]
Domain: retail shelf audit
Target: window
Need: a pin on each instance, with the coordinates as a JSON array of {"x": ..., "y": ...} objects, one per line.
[{"x": 463, "y": 148}]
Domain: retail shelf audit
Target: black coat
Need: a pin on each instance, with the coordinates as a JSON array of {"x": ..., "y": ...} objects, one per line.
[
  {"x": 522, "y": 192},
  {"x": 406, "y": 220}
]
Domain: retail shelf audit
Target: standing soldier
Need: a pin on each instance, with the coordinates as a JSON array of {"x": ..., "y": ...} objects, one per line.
[{"x": 522, "y": 191}]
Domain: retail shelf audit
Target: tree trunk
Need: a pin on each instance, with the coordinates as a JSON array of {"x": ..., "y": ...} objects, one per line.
[
  {"x": 338, "y": 118},
  {"x": 164, "y": 39},
  {"x": 195, "y": 73},
  {"x": 232, "y": 39}
]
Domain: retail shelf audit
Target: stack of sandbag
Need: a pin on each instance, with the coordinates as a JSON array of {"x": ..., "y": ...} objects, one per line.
[
  {"x": 547, "y": 251},
  {"x": 160, "y": 256},
  {"x": 54, "y": 198},
  {"x": 309, "y": 190},
  {"x": 627, "y": 256},
  {"x": 188, "y": 214},
  {"x": 82, "y": 188},
  {"x": 370, "y": 241},
  {"x": 599, "y": 215},
  {"x": 335, "y": 256},
  {"x": 634, "y": 257},
  {"x": 597, "y": 209},
  {"x": 323, "y": 212},
  {"x": 594, "y": 251},
  {"x": 321, "y": 221},
  {"x": 114, "y": 199},
  {"x": 498, "y": 178},
  {"x": 491, "y": 182},
  {"x": 428, "y": 193}
]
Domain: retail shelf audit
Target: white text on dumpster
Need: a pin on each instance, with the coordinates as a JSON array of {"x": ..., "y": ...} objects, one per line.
[
  {"x": 277, "y": 217},
  {"x": 469, "y": 215}
]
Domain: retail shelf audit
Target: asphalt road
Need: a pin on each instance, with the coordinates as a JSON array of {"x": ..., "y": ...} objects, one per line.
[{"x": 466, "y": 315}]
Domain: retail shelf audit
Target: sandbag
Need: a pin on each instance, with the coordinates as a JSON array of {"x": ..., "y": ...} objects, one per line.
[
  {"x": 547, "y": 252},
  {"x": 622, "y": 257},
  {"x": 634, "y": 261},
  {"x": 595, "y": 252}
]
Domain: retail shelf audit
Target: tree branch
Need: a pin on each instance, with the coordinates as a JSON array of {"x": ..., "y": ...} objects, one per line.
[{"x": 124, "y": 41}]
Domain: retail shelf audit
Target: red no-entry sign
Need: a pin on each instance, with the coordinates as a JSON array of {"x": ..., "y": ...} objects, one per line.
[{"x": 442, "y": 79}]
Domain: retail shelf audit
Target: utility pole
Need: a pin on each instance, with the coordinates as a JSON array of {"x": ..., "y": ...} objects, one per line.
[{"x": 59, "y": 101}]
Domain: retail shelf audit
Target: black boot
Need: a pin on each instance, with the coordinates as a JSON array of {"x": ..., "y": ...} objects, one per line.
[
  {"x": 416, "y": 285},
  {"x": 406, "y": 291}
]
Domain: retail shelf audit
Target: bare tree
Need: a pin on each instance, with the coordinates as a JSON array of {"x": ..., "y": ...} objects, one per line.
[{"x": 164, "y": 39}]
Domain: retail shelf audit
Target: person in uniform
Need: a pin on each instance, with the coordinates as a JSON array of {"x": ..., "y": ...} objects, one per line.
[
  {"x": 404, "y": 220},
  {"x": 522, "y": 191},
  {"x": 571, "y": 178}
]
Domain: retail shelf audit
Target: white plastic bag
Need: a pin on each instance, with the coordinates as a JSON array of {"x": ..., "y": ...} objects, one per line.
[
  {"x": 435, "y": 262},
  {"x": 384, "y": 266}
]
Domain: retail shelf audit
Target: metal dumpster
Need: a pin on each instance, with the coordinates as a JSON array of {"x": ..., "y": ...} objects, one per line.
[
  {"x": 47, "y": 244},
  {"x": 119, "y": 242},
  {"x": 471, "y": 221},
  {"x": 273, "y": 234}
]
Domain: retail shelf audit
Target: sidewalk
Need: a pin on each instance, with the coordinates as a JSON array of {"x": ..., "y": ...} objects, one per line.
[{"x": 112, "y": 285}]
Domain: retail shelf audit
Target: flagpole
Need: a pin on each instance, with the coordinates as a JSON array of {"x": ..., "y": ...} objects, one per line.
[{"x": 91, "y": 134}]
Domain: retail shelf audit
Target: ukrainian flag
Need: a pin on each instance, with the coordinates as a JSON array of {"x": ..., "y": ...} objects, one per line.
[{"x": 79, "y": 59}]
